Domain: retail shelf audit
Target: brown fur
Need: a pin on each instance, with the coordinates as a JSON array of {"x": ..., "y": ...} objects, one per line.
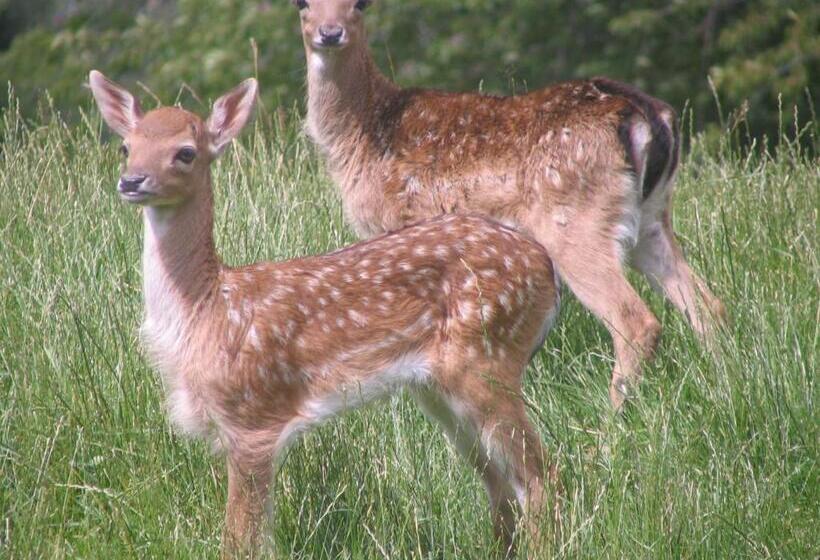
[
  {"x": 587, "y": 167},
  {"x": 451, "y": 309}
]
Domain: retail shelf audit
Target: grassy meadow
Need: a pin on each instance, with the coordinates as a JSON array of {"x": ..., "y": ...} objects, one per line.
[{"x": 718, "y": 458}]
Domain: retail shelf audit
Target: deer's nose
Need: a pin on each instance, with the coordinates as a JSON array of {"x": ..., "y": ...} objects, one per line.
[
  {"x": 131, "y": 183},
  {"x": 331, "y": 34}
]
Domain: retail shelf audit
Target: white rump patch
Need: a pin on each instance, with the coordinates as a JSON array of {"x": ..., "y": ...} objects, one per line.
[{"x": 627, "y": 228}]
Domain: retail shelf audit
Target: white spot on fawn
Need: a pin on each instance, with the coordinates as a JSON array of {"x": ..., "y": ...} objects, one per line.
[
  {"x": 253, "y": 337},
  {"x": 234, "y": 316},
  {"x": 465, "y": 310},
  {"x": 357, "y": 317},
  {"x": 486, "y": 312}
]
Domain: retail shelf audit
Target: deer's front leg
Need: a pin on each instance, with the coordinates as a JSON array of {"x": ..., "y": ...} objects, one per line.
[{"x": 245, "y": 517}]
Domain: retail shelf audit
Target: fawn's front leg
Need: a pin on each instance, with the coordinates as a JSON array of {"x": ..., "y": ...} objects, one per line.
[{"x": 245, "y": 516}]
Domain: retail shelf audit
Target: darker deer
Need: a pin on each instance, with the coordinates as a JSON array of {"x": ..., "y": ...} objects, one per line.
[
  {"x": 450, "y": 309},
  {"x": 586, "y": 167}
]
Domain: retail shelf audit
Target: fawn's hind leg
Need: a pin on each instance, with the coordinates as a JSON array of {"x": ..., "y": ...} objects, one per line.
[
  {"x": 465, "y": 439},
  {"x": 659, "y": 257},
  {"x": 515, "y": 447},
  {"x": 492, "y": 407}
]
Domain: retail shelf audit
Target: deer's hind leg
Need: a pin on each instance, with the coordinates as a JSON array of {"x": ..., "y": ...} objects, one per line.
[
  {"x": 659, "y": 257},
  {"x": 491, "y": 409},
  {"x": 514, "y": 446},
  {"x": 589, "y": 223},
  {"x": 462, "y": 435},
  {"x": 589, "y": 257}
]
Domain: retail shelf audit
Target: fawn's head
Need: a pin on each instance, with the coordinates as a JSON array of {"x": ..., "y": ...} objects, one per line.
[
  {"x": 331, "y": 25},
  {"x": 168, "y": 151}
]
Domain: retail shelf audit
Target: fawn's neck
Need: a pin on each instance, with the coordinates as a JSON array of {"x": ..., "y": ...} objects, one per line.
[
  {"x": 343, "y": 89},
  {"x": 180, "y": 267}
]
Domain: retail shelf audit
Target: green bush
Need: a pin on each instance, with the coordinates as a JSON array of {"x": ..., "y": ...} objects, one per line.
[{"x": 754, "y": 51}]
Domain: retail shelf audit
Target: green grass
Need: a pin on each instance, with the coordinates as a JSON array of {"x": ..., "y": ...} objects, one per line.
[{"x": 717, "y": 459}]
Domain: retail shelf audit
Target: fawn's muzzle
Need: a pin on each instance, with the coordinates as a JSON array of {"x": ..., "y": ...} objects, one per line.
[
  {"x": 131, "y": 184},
  {"x": 331, "y": 35}
]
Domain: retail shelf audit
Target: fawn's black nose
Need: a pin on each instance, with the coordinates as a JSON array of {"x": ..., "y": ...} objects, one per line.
[
  {"x": 331, "y": 34},
  {"x": 131, "y": 183}
]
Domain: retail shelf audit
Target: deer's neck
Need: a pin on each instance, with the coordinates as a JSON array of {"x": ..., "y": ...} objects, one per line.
[
  {"x": 343, "y": 89},
  {"x": 181, "y": 271}
]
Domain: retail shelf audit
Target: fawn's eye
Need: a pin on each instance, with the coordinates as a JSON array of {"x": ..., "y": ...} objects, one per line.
[
  {"x": 362, "y": 4},
  {"x": 300, "y": 4},
  {"x": 185, "y": 155},
  {"x": 124, "y": 150}
]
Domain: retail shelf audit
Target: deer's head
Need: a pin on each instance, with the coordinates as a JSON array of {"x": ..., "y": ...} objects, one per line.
[
  {"x": 168, "y": 151},
  {"x": 331, "y": 25}
]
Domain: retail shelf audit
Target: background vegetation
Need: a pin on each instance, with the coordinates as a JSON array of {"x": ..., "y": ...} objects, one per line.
[
  {"x": 718, "y": 458},
  {"x": 754, "y": 51}
]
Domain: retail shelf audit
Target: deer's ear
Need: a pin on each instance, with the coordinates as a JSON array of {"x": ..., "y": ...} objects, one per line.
[
  {"x": 230, "y": 114},
  {"x": 119, "y": 108}
]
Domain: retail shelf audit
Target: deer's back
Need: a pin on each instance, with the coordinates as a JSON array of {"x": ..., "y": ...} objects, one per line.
[{"x": 433, "y": 152}]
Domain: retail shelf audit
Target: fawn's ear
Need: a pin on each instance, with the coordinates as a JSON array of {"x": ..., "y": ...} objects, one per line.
[
  {"x": 120, "y": 109},
  {"x": 230, "y": 113}
]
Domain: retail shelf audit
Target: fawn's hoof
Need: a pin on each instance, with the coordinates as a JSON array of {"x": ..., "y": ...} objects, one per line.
[{"x": 620, "y": 390}]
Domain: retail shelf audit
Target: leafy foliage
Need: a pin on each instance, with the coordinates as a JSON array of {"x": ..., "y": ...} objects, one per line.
[{"x": 753, "y": 50}]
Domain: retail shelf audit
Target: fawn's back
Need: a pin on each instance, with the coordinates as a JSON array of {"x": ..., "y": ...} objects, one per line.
[{"x": 311, "y": 336}]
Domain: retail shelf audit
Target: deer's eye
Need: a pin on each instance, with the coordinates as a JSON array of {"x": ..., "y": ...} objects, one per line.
[
  {"x": 185, "y": 155},
  {"x": 300, "y": 4},
  {"x": 362, "y": 4},
  {"x": 124, "y": 150}
]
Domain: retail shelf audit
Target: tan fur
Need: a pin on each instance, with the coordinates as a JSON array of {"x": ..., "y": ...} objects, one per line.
[
  {"x": 451, "y": 309},
  {"x": 587, "y": 167}
]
